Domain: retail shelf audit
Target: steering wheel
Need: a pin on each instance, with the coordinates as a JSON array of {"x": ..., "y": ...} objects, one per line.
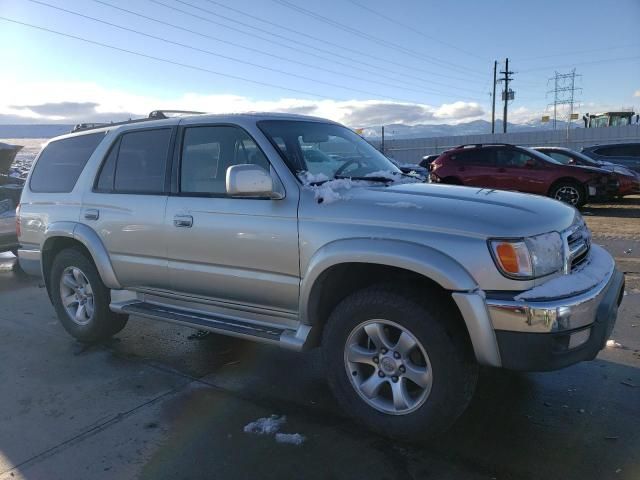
[{"x": 347, "y": 164}]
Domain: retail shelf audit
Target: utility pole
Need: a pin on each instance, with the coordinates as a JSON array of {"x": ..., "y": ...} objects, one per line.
[
  {"x": 564, "y": 92},
  {"x": 493, "y": 98},
  {"x": 382, "y": 143},
  {"x": 506, "y": 93}
]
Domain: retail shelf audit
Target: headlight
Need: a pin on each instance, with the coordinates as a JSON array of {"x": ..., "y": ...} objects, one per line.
[{"x": 528, "y": 258}]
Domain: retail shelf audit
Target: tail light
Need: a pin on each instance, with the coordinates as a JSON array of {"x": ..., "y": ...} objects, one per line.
[{"x": 18, "y": 229}]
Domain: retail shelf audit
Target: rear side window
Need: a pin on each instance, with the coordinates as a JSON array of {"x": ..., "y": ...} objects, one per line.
[
  {"x": 477, "y": 156},
  {"x": 136, "y": 163},
  {"x": 619, "y": 151},
  {"x": 61, "y": 163}
]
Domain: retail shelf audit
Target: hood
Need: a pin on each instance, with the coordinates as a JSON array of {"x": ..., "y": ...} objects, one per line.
[
  {"x": 468, "y": 211},
  {"x": 7, "y": 155}
]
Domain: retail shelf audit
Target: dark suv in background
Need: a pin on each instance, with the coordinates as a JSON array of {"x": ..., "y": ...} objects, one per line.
[
  {"x": 510, "y": 167},
  {"x": 628, "y": 181},
  {"x": 626, "y": 154}
]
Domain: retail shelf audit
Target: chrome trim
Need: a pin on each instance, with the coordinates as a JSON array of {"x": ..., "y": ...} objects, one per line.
[{"x": 548, "y": 316}]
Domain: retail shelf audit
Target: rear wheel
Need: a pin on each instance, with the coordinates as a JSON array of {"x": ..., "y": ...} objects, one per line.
[
  {"x": 398, "y": 364},
  {"x": 81, "y": 299},
  {"x": 569, "y": 192}
]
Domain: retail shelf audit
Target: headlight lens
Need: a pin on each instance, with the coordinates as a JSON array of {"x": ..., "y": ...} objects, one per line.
[{"x": 528, "y": 258}]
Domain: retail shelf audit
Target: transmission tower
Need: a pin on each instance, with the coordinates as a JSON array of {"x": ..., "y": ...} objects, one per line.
[{"x": 564, "y": 93}]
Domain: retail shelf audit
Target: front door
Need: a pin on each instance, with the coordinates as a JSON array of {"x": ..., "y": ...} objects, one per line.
[{"x": 236, "y": 252}]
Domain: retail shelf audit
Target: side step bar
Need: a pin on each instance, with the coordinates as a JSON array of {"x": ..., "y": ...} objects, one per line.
[{"x": 206, "y": 321}]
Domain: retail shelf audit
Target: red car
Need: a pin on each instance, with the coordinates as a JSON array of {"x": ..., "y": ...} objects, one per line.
[{"x": 510, "y": 167}]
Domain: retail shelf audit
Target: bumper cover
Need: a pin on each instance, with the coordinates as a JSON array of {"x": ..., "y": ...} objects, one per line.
[{"x": 539, "y": 339}]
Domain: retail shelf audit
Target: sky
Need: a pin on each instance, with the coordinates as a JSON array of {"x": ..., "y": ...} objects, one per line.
[{"x": 360, "y": 62}]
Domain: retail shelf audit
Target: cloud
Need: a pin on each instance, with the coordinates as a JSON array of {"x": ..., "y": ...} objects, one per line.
[
  {"x": 76, "y": 102},
  {"x": 636, "y": 93}
]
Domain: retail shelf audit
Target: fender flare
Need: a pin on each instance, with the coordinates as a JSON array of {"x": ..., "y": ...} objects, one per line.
[
  {"x": 91, "y": 241},
  {"x": 421, "y": 259}
]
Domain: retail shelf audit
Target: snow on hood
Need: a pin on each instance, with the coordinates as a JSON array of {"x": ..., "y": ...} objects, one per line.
[{"x": 598, "y": 267}]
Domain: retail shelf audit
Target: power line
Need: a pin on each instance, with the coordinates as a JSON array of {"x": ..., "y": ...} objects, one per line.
[
  {"x": 164, "y": 60},
  {"x": 594, "y": 62},
  {"x": 578, "y": 52},
  {"x": 333, "y": 53},
  {"x": 226, "y": 57},
  {"x": 415, "y": 30},
  {"x": 289, "y": 46},
  {"x": 372, "y": 38}
]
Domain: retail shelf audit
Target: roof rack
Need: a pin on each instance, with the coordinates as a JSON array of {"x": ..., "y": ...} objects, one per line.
[
  {"x": 155, "y": 115},
  {"x": 485, "y": 145}
]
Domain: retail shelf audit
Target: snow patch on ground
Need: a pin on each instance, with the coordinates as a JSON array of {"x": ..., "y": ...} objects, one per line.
[
  {"x": 291, "y": 438},
  {"x": 270, "y": 426},
  {"x": 599, "y": 266},
  {"x": 613, "y": 344},
  {"x": 399, "y": 205},
  {"x": 266, "y": 425}
]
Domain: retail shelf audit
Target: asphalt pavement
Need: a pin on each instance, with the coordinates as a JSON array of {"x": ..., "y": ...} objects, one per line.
[{"x": 154, "y": 403}]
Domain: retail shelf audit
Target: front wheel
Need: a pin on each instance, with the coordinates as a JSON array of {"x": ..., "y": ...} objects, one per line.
[
  {"x": 569, "y": 192},
  {"x": 81, "y": 299},
  {"x": 398, "y": 364}
]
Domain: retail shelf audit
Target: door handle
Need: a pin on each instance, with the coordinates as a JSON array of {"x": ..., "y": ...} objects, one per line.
[
  {"x": 184, "y": 221},
  {"x": 91, "y": 214}
]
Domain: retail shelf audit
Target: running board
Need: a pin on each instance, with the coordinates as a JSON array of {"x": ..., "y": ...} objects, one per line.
[{"x": 214, "y": 323}]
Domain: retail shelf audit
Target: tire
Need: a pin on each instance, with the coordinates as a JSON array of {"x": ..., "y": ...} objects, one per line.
[
  {"x": 569, "y": 192},
  {"x": 97, "y": 322},
  {"x": 440, "y": 344}
]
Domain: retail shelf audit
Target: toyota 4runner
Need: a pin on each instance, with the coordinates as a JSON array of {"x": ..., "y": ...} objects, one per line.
[{"x": 237, "y": 225}]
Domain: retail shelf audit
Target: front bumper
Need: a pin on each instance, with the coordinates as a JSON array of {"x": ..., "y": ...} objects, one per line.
[{"x": 552, "y": 334}]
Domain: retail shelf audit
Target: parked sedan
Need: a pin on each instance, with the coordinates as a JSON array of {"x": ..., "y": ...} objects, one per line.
[
  {"x": 511, "y": 167},
  {"x": 626, "y": 154},
  {"x": 628, "y": 181}
]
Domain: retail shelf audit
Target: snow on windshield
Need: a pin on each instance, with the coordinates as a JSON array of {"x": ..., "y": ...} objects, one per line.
[{"x": 600, "y": 266}]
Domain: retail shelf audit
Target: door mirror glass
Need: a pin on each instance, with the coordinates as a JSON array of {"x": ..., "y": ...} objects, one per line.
[{"x": 249, "y": 181}]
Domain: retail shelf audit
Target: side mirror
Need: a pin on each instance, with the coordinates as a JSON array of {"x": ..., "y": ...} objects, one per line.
[
  {"x": 530, "y": 163},
  {"x": 249, "y": 181}
]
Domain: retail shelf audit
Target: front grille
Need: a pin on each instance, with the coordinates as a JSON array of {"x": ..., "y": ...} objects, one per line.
[{"x": 578, "y": 245}]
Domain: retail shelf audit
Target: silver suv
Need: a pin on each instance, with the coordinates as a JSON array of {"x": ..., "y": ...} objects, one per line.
[{"x": 294, "y": 231}]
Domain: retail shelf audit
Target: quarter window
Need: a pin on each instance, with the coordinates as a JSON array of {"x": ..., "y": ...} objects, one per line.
[
  {"x": 61, "y": 163},
  {"x": 207, "y": 153}
]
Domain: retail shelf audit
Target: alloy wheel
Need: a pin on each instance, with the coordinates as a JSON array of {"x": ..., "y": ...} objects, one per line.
[
  {"x": 388, "y": 367},
  {"x": 77, "y": 295},
  {"x": 568, "y": 194}
]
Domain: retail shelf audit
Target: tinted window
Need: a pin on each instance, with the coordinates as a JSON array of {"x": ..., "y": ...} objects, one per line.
[
  {"x": 142, "y": 161},
  {"x": 61, "y": 162},
  {"x": 511, "y": 158},
  {"x": 478, "y": 156},
  {"x": 207, "y": 153},
  {"x": 619, "y": 151},
  {"x": 107, "y": 173}
]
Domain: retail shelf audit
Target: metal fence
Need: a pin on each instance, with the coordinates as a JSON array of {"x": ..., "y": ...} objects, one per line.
[{"x": 412, "y": 150}]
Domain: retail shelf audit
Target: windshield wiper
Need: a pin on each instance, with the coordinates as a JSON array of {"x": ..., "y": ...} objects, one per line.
[{"x": 369, "y": 179}]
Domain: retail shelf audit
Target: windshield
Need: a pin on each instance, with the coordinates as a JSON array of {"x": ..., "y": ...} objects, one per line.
[
  {"x": 541, "y": 155},
  {"x": 566, "y": 157},
  {"x": 325, "y": 148}
]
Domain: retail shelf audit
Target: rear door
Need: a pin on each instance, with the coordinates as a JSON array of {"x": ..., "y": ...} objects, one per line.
[
  {"x": 237, "y": 253},
  {"x": 126, "y": 206},
  {"x": 521, "y": 171},
  {"x": 475, "y": 167}
]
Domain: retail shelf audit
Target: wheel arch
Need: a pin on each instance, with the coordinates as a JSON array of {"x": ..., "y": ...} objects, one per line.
[{"x": 61, "y": 235}]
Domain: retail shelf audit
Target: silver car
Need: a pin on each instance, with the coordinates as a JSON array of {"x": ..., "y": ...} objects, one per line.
[{"x": 237, "y": 225}]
